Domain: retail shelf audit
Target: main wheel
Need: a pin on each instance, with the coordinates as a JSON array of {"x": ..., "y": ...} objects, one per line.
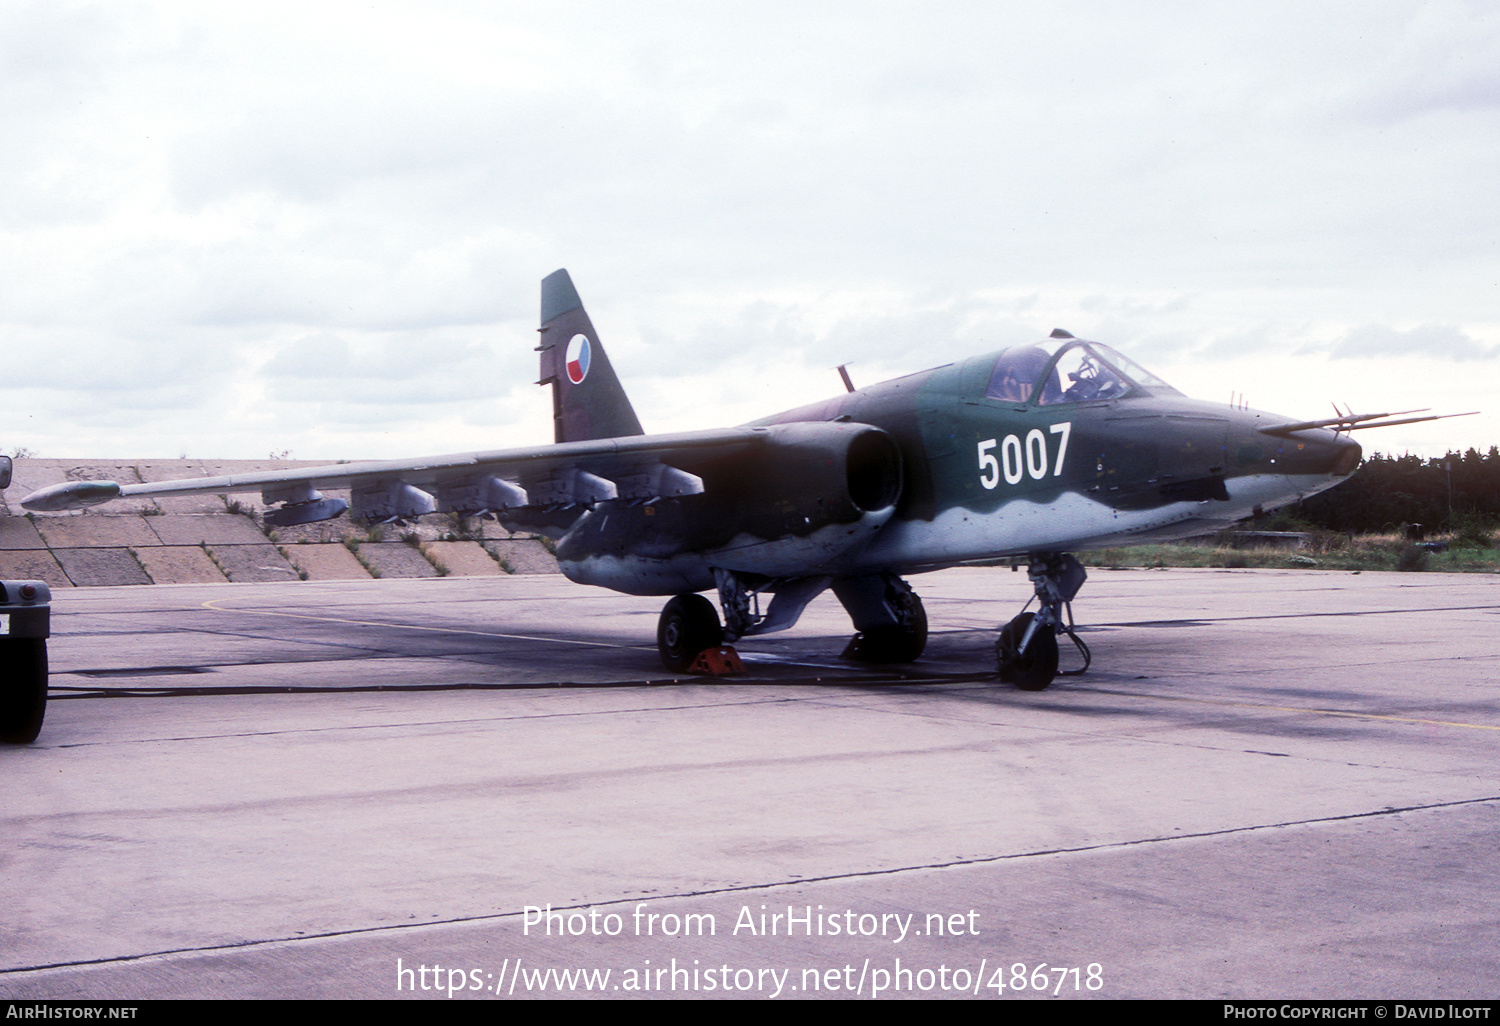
[
  {"x": 688, "y": 625},
  {"x": 23, "y": 688},
  {"x": 903, "y": 644},
  {"x": 1033, "y": 670},
  {"x": 890, "y": 644}
]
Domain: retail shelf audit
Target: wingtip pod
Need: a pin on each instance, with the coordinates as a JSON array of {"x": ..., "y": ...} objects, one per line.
[{"x": 71, "y": 495}]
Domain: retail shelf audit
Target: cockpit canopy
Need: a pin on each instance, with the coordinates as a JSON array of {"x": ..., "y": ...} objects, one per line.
[{"x": 1067, "y": 370}]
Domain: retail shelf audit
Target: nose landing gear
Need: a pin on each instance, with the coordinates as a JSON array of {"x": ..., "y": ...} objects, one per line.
[{"x": 1026, "y": 651}]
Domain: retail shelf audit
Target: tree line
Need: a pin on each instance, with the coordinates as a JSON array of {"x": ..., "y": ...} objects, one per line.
[{"x": 1456, "y": 492}]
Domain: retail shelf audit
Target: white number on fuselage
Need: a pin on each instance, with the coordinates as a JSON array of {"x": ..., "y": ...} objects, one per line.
[{"x": 1017, "y": 459}]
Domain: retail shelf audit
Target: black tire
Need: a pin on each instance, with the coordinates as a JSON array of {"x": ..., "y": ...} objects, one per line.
[
  {"x": 1034, "y": 670},
  {"x": 688, "y": 625},
  {"x": 886, "y": 645},
  {"x": 23, "y": 688},
  {"x": 893, "y": 644}
]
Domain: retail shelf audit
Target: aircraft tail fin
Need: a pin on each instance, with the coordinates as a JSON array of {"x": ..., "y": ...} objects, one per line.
[{"x": 587, "y": 399}]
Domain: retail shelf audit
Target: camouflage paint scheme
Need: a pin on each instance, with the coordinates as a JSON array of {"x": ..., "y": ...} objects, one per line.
[
  {"x": 979, "y": 480},
  {"x": 1034, "y": 452}
]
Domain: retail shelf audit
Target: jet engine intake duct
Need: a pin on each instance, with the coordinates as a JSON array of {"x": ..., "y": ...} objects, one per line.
[
  {"x": 844, "y": 470},
  {"x": 873, "y": 468}
]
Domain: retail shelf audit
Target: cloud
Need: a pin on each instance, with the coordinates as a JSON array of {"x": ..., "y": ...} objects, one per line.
[
  {"x": 1440, "y": 341},
  {"x": 391, "y": 370},
  {"x": 190, "y": 192},
  {"x": 1441, "y": 58}
]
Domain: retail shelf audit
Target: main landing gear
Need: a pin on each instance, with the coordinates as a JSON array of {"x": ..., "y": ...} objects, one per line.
[
  {"x": 1026, "y": 651},
  {"x": 888, "y": 617}
]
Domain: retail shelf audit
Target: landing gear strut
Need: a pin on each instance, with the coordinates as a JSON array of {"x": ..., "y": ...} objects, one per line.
[
  {"x": 1026, "y": 651},
  {"x": 888, "y": 615},
  {"x": 689, "y": 624}
]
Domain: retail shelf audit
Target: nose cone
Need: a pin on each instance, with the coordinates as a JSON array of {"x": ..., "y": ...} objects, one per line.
[
  {"x": 1320, "y": 453},
  {"x": 1347, "y": 457},
  {"x": 1316, "y": 457},
  {"x": 1316, "y": 452}
]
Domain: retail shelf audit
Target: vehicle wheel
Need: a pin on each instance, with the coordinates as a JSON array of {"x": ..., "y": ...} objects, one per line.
[
  {"x": 23, "y": 688},
  {"x": 688, "y": 625},
  {"x": 892, "y": 644},
  {"x": 1034, "y": 670},
  {"x": 885, "y": 645}
]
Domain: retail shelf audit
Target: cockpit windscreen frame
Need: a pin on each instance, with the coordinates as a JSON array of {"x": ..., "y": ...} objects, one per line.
[{"x": 1034, "y": 374}]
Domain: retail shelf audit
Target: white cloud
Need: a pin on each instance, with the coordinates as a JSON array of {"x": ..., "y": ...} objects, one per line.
[
  {"x": 190, "y": 190},
  {"x": 1438, "y": 341}
]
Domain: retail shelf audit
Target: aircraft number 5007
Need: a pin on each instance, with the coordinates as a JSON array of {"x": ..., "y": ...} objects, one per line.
[{"x": 1018, "y": 458}]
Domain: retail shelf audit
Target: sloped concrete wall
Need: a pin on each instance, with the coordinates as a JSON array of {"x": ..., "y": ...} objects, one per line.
[{"x": 216, "y": 538}]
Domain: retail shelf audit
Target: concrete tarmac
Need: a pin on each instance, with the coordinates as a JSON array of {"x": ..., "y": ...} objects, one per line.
[{"x": 1272, "y": 784}]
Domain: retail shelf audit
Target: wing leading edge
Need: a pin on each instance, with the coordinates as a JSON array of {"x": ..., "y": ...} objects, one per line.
[{"x": 637, "y": 468}]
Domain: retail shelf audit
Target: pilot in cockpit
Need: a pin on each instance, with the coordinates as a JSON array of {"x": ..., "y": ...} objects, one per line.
[{"x": 1015, "y": 374}]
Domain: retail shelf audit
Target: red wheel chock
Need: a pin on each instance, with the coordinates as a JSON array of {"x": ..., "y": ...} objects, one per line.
[{"x": 717, "y": 662}]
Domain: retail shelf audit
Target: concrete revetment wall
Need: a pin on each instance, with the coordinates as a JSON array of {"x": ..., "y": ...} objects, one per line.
[{"x": 214, "y": 538}]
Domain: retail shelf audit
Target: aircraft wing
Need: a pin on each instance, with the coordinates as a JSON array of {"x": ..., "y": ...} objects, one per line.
[{"x": 556, "y": 476}]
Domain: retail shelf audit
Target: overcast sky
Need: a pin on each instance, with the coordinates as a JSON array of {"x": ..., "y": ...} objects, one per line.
[{"x": 231, "y": 230}]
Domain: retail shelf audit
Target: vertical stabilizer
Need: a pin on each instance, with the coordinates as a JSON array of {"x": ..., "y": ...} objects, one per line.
[{"x": 587, "y": 400}]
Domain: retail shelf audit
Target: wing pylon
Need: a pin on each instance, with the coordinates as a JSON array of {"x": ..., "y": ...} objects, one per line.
[{"x": 550, "y": 476}]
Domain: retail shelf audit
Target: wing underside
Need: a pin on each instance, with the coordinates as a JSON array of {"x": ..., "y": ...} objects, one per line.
[{"x": 505, "y": 481}]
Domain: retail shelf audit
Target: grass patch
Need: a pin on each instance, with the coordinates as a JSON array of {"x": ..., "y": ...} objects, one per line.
[
  {"x": 352, "y": 544},
  {"x": 461, "y": 528},
  {"x": 431, "y": 557},
  {"x": 302, "y": 575},
  {"x": 1324, "y": 550},
  {"x": 213, "y": 559}
]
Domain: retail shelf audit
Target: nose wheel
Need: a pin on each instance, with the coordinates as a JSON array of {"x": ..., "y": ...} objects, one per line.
[{"x": 1026, "y": 652}]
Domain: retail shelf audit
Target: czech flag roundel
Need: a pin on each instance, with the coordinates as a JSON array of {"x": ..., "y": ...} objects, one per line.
[{"x": 578, "y": 358}]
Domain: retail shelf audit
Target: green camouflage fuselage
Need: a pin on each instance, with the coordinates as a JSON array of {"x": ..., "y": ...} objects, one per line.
[{"x": 977, "y": 479}]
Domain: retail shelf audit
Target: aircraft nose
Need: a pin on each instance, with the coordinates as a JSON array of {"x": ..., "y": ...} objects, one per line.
[
  {"x": 1347, "y": 455},
  {"x": 1321, "y": 453},
  {"x": 1303, "y": 449}
]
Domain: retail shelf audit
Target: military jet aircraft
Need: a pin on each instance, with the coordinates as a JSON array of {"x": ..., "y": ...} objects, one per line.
[{"x": 1032, "y": 453}]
